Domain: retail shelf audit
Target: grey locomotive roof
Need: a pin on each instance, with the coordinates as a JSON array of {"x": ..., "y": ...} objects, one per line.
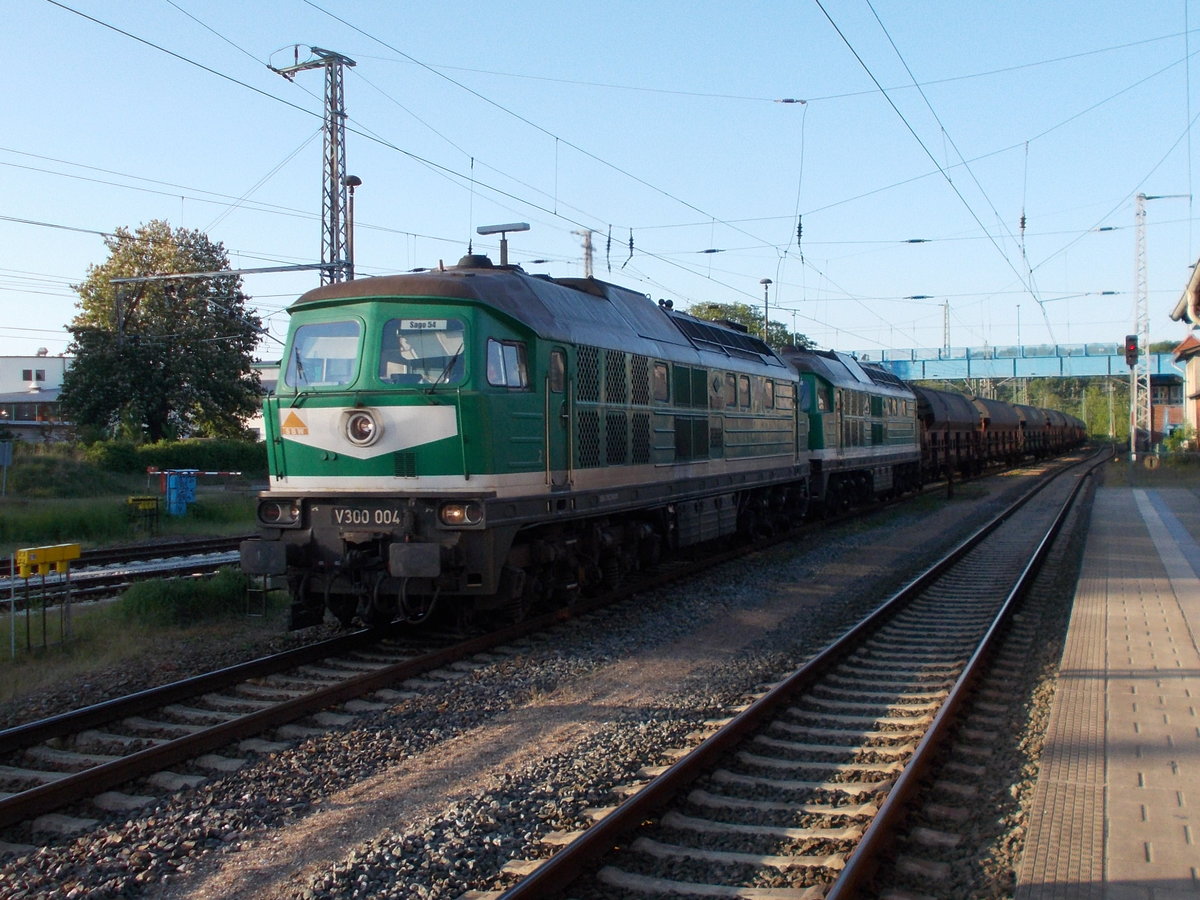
[
  {"x": 572, "y": 310},
  {"x": 844, "y": 370}
]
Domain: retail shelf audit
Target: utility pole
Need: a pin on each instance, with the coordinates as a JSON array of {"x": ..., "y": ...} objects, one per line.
[
  {"x": 766, "y": 283},
  {"x": 335, "y": 214},
  {"x": 587, "y": 251}
]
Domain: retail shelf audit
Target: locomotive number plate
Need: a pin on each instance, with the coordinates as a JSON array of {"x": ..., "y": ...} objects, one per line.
[{"x": 358, "y": 516}]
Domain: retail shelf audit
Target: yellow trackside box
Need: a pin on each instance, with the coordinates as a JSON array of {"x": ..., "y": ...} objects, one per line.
[{"x": 41, "y": 560}]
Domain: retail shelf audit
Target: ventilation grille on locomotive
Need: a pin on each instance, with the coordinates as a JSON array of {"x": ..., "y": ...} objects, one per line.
[
  {"x": 588, "y": 439},
  {"x": 404, "y": 464},
  {"x": 589, "y": 375}
]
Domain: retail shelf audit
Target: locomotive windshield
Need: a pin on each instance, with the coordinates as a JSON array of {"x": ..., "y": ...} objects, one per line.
[
  {"x": 421, "y": 351},
  {"x": 323, "y": 354}
]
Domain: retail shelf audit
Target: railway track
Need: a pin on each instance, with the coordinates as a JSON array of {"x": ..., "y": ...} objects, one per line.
[
  {"x": 104, "y": 572},
  {"x": 797, "y": 796},
  {"x": 118, "y": 556},
  {"x": 216, "y": 721},
  {"x": 123, "y": 754}
]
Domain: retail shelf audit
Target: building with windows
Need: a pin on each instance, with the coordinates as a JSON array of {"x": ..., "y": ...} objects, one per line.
[
  {"x": 1187, "y": 353},
  {"x": 29, "y": 388}
]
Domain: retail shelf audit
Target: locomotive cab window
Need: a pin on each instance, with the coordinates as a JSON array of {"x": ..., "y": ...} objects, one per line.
[
  {"x": 421, "y": 351},
  {"x": 323, "y": 354},
  {"x": 506, "y": 365}
]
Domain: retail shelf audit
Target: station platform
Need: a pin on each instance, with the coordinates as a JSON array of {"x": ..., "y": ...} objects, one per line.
[{"x": 1117, "y": 803}]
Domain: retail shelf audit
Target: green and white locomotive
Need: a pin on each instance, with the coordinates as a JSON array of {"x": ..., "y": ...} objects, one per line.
[{"x": 479, "y": 438}]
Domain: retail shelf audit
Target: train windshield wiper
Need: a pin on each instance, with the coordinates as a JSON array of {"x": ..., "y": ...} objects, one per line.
[{"x": 445, "y": 375}]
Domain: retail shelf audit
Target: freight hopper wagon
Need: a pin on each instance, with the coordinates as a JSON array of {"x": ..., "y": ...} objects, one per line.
[{"x": 478, "y": 438}]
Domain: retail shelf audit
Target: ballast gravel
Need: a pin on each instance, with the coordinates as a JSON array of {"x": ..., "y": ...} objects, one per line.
[{"x": 433, "y": 796}]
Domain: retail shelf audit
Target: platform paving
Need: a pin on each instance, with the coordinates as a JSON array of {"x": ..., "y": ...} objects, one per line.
[{"x": 1117, "y": 805}]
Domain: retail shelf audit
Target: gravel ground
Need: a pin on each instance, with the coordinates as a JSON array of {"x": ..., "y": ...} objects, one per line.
[{"x": 433, "y": 796}]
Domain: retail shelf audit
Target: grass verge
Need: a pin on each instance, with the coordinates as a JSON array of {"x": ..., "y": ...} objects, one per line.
[{"x": 147, "y": 636}]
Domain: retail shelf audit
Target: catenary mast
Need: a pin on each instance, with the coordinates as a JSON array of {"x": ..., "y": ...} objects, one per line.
[{"x": 336, "y": 264}]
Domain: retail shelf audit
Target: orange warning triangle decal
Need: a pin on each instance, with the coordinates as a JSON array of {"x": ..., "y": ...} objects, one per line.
[{"x": 293, "y": 424}]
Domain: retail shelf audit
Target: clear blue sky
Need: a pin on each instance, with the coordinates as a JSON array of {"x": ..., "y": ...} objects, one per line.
[{"x": 656, "y": 119}]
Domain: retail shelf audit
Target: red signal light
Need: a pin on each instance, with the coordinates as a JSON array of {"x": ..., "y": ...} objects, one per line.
[{"x": 1131, "y": 349}]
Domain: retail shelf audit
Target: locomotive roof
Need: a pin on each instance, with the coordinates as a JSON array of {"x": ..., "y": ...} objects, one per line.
[
  {"x": 572, "y": 310},
  {"x": 844, "y": 370}
]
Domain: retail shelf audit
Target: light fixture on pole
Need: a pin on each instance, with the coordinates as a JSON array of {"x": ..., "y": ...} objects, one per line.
[
  {"x": 351, "y": 182},
  {"x": 766, "y": 283},
  {"x": 502, "y": 230}
]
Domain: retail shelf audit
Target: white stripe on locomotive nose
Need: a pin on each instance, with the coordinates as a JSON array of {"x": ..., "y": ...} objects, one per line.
[{"x": 404, "y": 427}]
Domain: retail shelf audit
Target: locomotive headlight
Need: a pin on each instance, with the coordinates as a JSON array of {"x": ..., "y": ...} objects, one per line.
[
  {"x": 468, "y": 513},
  {"x": 362, "y": 428},
  {"x": 280, "y": 513}
]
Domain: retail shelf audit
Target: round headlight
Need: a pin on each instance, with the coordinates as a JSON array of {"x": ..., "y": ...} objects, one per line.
[
  {"x": 272, "y": 512},
  {"x": 362, "y": 429},
  {"x": 468, "y": 513}
]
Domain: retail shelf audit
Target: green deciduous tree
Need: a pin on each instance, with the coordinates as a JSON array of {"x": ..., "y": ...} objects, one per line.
[
  {"x": 778, "y": 335},
  {"x": 162, "y": 359}
]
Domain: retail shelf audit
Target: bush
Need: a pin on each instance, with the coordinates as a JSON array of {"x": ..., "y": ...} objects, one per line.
[
  {"x": 58, "y": 475},
  {"x": 1180, "y": 439},
  {"x": 247, "y": 457},
  {"x": 185, "y": 601},
  {"x": 114, "y": 456}
]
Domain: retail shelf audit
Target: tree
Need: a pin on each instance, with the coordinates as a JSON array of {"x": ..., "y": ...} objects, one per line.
[
  {"x": 162, "y": 359},
  {"x": 778, "y": 335}
]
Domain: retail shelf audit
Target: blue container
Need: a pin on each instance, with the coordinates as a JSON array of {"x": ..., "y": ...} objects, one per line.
[{"x": 181, "y": 490}]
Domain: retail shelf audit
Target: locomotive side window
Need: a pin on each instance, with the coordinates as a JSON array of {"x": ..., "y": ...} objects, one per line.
[
  {"x": 806, "y": 396},
  {"x": 730, "y": 389},
  {"x": 744, "y": 391},
  {"x": 768, "y": 394},
  {"x": 661, "y": 383},
  {"x": 558, "y": 371},
  {"x": 421, "y": 351},
  {"x": 785, "y": 396},
  {"x": 323, "y": 354},
  {"x": 506, "y": 366}
]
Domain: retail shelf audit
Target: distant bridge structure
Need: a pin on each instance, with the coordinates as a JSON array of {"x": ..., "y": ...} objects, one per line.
[{"x": 999, "y": 363}]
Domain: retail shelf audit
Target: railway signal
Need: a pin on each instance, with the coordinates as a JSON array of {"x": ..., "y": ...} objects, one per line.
[{"x": 1131, "y": 349}]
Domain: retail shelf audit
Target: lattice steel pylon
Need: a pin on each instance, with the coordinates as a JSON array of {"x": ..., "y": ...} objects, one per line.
[
  {"x": 1141, "y": 417},
  {"x": 1139, "y": 376},
  {"x": 336, "y": 264}
]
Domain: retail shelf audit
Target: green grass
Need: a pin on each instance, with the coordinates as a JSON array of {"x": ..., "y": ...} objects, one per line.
[
  {"x": 150, "y": 629},
  {"x": 60, "y": 495},
  {"x": 106, "y": 520}
]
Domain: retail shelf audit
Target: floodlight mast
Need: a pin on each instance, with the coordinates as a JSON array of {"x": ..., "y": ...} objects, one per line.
[{"x": 503, "y": 230}]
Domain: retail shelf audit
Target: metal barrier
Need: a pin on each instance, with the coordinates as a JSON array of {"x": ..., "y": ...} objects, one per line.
[
  {"x": 143, "y": 511},
  {"x": 41, "y": 561}
]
